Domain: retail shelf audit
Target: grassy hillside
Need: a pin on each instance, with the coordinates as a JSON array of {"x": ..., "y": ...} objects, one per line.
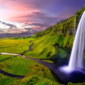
[
  {"x": 49, "y": 44},
  {"x": 44, "y": 48},
  {"x": 60, "y": 35}
]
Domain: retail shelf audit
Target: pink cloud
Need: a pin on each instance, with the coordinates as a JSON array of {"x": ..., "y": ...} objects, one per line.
[
  {"x": 39, "y": 13},
  {"x": 0, "y": 1},
  {"x": 37, "y": 27},
  {"x": 15, "y": 5},
  {"x": 13, "y": 8}
]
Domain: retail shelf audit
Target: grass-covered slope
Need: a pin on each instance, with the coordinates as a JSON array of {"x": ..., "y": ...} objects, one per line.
[
  {"x": 60, "y": 34},
  {"x": 43, "y": 47}
]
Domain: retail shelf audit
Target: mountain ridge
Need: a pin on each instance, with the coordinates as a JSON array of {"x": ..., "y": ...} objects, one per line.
[{"x": 64, "y": 25}]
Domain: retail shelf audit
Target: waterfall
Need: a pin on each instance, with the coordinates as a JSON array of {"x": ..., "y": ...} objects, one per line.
[{"x": 76, "y": 58}]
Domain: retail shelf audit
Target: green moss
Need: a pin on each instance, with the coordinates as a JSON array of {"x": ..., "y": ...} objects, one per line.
[
  {"x": 2, "y": 57},
  {"x": 5, "y": 80},
  {"x": 36, "y": 80}
]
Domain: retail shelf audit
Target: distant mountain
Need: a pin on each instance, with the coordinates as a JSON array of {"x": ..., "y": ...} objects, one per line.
[{"x": 16, "y": 35}]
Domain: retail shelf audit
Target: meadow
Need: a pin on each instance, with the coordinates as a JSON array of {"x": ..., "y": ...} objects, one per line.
[
  {"x": 2, "y": 57},
  {"x": 35, "y": 73},
  {"x": 15, "y": 45}
]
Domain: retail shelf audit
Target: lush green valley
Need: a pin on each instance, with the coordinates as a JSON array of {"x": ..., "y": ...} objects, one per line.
[
  {"x": 60, "y": 35},
  {"x": 56, "y": 41}
]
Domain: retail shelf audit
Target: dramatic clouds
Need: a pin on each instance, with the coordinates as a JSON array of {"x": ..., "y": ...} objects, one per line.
[
  {"x": 11, "y": 25},
  {"x": 4, "y": 24},
  {"x": 37, "y": 19},
  {"x": 38, "y": 13}
]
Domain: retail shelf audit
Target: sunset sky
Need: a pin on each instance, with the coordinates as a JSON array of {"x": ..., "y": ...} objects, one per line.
[{"x": 36, "y": 14}]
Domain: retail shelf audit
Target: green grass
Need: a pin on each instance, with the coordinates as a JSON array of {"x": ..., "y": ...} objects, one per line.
[
  {"x": 5, "y": 80},
  {"x": 2, "y": 57},
  {"x": 36, "y": 80},
  {"x": 44, "y": 48},
  {"x": 15, "y": 45},
  {"x": 17, "y": 65},
  {"x": 49, "y": 61},
  {"x": 29, "y": 68},
  {"x": 21, "y": 66},
  {"x": 62, "y": 53}
]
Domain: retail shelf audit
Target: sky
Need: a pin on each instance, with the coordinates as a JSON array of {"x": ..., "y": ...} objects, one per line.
[{"x": 36, "y": 14}]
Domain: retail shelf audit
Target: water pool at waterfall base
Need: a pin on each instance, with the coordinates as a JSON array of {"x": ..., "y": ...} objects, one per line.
[{"x": 66, "y": 75}]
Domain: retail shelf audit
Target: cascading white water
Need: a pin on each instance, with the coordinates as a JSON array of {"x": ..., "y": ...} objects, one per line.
[{"x": 76, "y": 58}]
